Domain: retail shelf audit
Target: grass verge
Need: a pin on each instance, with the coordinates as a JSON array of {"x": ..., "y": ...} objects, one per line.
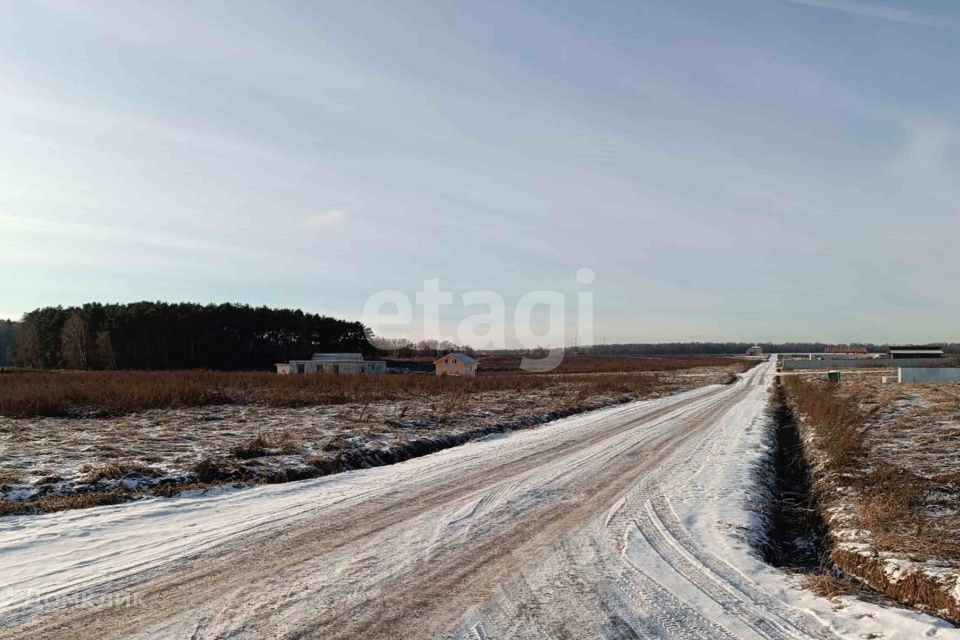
[{"x": 890, "y": 525}]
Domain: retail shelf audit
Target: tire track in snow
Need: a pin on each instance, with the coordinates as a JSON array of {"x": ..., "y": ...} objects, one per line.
[
  {"x": 661, "y": 615},
  {"x": 524, "y": 537},
  {"x": 663, "y": 533}
]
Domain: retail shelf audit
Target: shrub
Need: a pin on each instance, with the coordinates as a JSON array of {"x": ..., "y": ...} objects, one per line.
[
  {"x": 210, "y": 470},
  {"x": 253, "y": 448},
  {"x": 117, "y": 470}
]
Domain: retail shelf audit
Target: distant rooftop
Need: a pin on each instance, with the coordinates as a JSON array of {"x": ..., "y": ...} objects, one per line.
[
  {"x": 460, "y": 356},
  {"x": 337, "y": 357},
  {"x": 915, "y": 347}
]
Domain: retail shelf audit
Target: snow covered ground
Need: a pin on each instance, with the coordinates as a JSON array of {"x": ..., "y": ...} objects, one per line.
[
  {"x": 52, "y": 457},
  {"x": 707, "y": 514},
  {"x": 893, "y": 511},
  {"x": 628, "y": 522}
]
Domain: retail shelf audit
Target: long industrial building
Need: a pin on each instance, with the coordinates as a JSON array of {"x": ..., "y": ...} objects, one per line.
[{"x": 333, "y": 363}]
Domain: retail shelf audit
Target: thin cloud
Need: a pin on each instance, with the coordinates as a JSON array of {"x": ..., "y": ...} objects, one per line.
[
  {"x": 882, "y": 12},
  {"x": 924, "y": 163},
  {"x": 22, "y": 227},
  {"x": 327, "y": 218}
]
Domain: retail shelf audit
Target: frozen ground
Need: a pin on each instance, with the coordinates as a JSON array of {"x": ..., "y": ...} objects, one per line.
[
  {"x": 63, "y": 456},
  {"x": 895, "y": 512},
  {"x": 628, "y": 522}
]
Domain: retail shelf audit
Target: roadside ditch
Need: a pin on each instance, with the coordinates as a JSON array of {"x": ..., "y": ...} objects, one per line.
[{"x": 796, "y": 535}]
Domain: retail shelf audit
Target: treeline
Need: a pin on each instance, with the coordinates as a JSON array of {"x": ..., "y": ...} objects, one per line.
[
  {"x": 709, "y": 348},
  {"x": 159, "y": 335},
  {"x": 714, "y": 348},
  {"x": 9, "y": 332},
  {"x": 400, "y": 348},
  {"x": 719, "y": 348}
]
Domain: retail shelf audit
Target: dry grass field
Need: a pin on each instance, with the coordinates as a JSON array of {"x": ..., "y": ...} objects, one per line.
[
  {"x": 111, "y": 393},
  {"x": 79, "y": 439},
  {"x": 886, "y": 466}
]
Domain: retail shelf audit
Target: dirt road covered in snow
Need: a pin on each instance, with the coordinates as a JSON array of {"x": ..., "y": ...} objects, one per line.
[{"x": 585, "y": 528}]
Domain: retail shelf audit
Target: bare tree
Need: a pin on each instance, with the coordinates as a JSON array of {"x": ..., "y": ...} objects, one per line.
[
  {"x": 447, "y": 346},
  {"x": 393, "y": 347},
  {"x": 401, "y": 347},
  {"x": 428, "y": 347},
  {"x": 76, "y": 342},
  {"x": 28, "y": 346}
]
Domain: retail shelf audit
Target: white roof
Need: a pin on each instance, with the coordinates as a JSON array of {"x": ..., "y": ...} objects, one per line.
[{"x": 337, "y": 357}]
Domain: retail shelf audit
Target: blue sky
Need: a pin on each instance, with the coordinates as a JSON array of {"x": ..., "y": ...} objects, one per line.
[{"x": 744, "y": 170}]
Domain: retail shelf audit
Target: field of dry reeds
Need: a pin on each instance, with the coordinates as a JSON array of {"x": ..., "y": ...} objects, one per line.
[
  {"x": 885, "y": 465},
  {"x": 107, "y": 393},
  {"x": 835, "y": 420}
]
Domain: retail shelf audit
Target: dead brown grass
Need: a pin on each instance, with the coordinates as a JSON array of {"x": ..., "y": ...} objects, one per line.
[
  {"x": 239, "y": 443},
  {"x": 829, "y": 586},
  {"x": 253, "y": 448},
  {"x": 107, "y": 393},
  {"x": 888, "y": 467},
  {"x": 117, "y": 470},
  {"x": 915, "y": 589},
  {"x": 8, "y": 479},
  {"x": 211, "y": 470},
  {"x": 894, "y": 506},
  {"x": 836, "y": 421},
  {"x": 53, "y": 503},
  {"x": 49, "y": 504},
  {"x": 893, "y": 502}
]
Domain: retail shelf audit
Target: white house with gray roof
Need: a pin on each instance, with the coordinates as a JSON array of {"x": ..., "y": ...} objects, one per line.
[{"x": 333, "y": 363}]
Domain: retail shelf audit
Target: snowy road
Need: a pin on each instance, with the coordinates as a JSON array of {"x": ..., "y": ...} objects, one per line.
[{"x": 622, "y": 523}]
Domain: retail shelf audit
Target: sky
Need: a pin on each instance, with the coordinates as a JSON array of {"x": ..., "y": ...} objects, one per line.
[{"x": 748, "y": 170}]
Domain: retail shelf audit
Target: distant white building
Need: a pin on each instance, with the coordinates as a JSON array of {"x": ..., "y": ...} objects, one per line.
[
  {"x": 333, "y": 363},
  {"x": 755, "y": 350},
  {"x": 913, "y": 351}
]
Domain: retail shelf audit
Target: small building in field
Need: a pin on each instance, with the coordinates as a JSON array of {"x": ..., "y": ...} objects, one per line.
[
  {"x": 334, "y": 363},
  {"x": 755, "y": 350},
  {"x": 913, "y": 351},
  {"x": 845, "y": 350},
  {"x": 456, "y": 364}
]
